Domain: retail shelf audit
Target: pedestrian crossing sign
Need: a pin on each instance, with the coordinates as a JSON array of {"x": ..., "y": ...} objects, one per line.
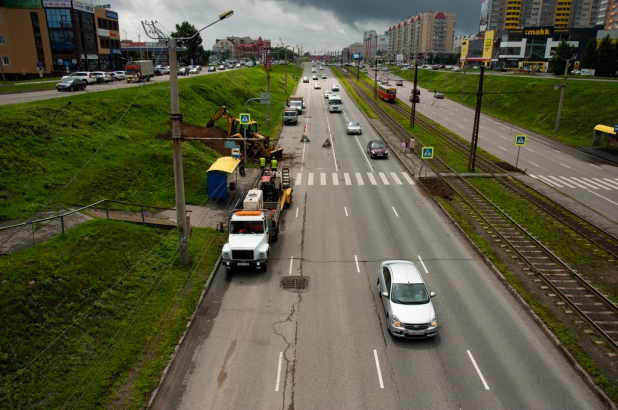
[
  {"x": 520, "y": 140},
  {"x": 245, "y": 118},
  {"x": 427, "y": 152}
]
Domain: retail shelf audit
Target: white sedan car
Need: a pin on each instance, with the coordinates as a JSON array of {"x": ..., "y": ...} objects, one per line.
[
  {"x": 317, "y": 86},
  {"x": 193, "y": 70}
]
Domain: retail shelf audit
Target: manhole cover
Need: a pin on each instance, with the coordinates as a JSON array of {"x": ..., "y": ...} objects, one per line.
[{"x": 294, "y": 283}]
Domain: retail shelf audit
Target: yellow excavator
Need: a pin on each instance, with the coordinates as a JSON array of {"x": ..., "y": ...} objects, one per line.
[{"x": 260, "y": 146}]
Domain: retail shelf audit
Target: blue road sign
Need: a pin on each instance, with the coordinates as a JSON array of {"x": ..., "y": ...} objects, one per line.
[
  {"x": 520, "y": 140},
  {"x": 245, "y": 118},
  {"x": 427, "y": 153},
  {"x": 616, "y": 128}
]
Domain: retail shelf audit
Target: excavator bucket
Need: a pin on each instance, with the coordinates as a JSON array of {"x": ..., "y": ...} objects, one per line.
[{"x": 277, "y": 154}]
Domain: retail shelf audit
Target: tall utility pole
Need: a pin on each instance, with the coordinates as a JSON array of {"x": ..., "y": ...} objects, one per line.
[
  {"x": 375, "y": 84},
  {"x": 563, "y": 86},
  {"x": 477, "y": 118},
  {"x": 176, "y": 117},
  {"x": 268, "y": 85},
  {"x": 413, "y": 116},
  {"x": 285, "y": 55}
]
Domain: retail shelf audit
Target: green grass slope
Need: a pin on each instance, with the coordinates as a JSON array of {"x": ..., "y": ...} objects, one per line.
[
  {"x": 531, "y": 101},
  {"x": 90, "y": 318},
  {"x": 45, "y": 143}
]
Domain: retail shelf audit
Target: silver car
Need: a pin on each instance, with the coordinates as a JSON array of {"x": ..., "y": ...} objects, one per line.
[
  {"x": 407, "y": 303},
  {"x": 353, "y": 127}
]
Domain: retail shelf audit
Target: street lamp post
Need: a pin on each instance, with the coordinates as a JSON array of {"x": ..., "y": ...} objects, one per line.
[
  {"x": 563, "y": 86},
  {"x": 176, "y": 116}
]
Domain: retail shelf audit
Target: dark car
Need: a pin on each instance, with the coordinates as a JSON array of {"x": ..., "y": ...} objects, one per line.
[
  {"x": 71, "y": 84},
  {"x": 377, "y": 149},
  {"x": 212, "y": 69},
  {"x": 417, "y": 99}
]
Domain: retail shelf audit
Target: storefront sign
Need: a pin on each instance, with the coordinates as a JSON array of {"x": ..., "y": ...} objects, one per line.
[
  {"x": 23, "y": 4},
  {"x": 114, "y": 35},
  {"x": 103, "y": 33},
  {"x": 92, "y": 57},
  {"x": 55, "y": 3},
  {"x": 116, "y": 51},
  {"x": 538, "y": 31},
  {"x": 111, "y": 15},
  {"x": 136, "y": 44},
  {"x": 78, "y": 5}
]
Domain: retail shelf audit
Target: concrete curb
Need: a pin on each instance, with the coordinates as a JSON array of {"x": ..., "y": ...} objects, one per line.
[
  {"x": 576, "y": 366},
  {"x": 188, "y": 326}
]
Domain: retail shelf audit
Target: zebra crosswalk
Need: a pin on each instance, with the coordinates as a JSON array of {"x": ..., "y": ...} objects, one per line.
[
  {"x": 354, "y": 178},
  {"x": 606, "y": 184}
]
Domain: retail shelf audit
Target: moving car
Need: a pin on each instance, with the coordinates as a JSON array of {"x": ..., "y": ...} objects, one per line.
[
  {"x": 324, "y": 77},
  {"x": 72, "y": 84},
  {"x": 416, "y": 98},
  {"x": 335, "y": 87},
  {"x": 377, "y": 149},
  {"x": 399, "y": 82},
  {"x": 313, "y": 70},
  {"x": 327, "y": 93},
  {"x": 353, "y": 127},
  {"x": 305, "y": 79},
  {"x": 315, "y": 77},
  {"x": 439, "y": 95},
  {"x": 120, "y": 75},
  {"x": 212, "y": 69},
  {"x": 86, "y": 75},
  {"x": 317, "y": 86},
  {"x": 406, "y": 300},
  {"x": 321, "y": 68}
]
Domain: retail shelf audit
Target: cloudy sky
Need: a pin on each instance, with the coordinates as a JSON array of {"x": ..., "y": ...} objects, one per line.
[{"x": 320, "y": 25}]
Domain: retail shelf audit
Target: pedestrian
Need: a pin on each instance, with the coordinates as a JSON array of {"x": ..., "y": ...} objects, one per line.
[
  {"x": 262, "y": 164},
  {"x": 241, "y": 166},
  {"x": 412, "y": 145},
  {"x": 404, "y": 147}
]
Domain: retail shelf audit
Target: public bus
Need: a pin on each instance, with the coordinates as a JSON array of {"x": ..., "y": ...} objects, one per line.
[
  {"x": 387, "y": 92},
  {"x": 334, "y": 103}
]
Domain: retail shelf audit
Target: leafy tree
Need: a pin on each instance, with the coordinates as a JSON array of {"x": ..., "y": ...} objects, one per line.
[
  {"x": 185, "y": 29},
  {"x": 607, "y": 58},
  {"x": 589, "y": 60},
  {"x": 563, "y": 52}
]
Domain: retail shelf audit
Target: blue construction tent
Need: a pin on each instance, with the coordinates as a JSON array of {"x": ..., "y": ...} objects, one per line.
[{"x": 218, "y": 174}]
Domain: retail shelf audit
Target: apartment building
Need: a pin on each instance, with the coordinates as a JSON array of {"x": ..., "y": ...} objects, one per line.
[{"x": 45, "y": 37}]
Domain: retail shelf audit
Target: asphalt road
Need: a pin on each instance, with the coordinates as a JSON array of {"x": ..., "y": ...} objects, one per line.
[
  {"x": 589, "y": 179},
  {"x": 254, "y": 345}
]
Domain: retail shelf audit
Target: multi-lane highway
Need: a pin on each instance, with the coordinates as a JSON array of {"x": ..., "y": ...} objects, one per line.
[
  {"x": 589, "y": 179},
  {"x": 256, "y": 346}
]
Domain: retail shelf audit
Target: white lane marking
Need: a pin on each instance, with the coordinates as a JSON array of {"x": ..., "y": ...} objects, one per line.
[
  {"x": 528, "y": 149},
  {"x": 372, "y": 179},
  {"x": 478, "y": 370},
  {"x": 555, "y": 150},
  {"x": 357, "y": 267},
  {"x": 384, "y": 179},
  {"x": 482, "y": 127},
  {"x": 296, "y": 212},
  {"x": 501, "y": 137},
  {"x": 422, "y": 263},
  {"x": 363, "y": 151},
  {"x": 335, "y": 178},
  {"x": 359, "y": 178},
  {"x": 609, "y": 200},
  {"x": 566, "y": 166},
  {"x": 534, "y": 176},
  {"x": 590, "y": 181},
  {"x": 461, "y": 126},
  {"x": 310, "y": 182},
  {"x": 589, "y": 185},
  {"x": 346, "y": 210},
  {"x": 596, "y": 166},
  {"x": 603, "y": 183},
  {"x": 375, "y": 355},
  {"x": 533, "y": 163},
  {"x": 408, "y": 178},
  {"x": 394, "y": 210},
  {"x": 291, "y": 263},
  {"x": 346, "y": 176},
  {"x": 322, "y": 178},
  {"x": 572, "y": 182},
  {"x": 561, "y": 181},
  {"x": 299, "y": 178},
  {"x": 550, "y": 182},
  {"x": 279, "y": 371},
  {"x": 609, "y": 181},
  {"x": 502, "y": 148},
  {"x": 396, "y": 178}
]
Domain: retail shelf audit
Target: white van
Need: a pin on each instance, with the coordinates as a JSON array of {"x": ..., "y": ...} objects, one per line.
[{"x": 334, "y": 103}]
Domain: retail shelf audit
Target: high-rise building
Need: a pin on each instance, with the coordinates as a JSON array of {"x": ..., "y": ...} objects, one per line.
[
  {"x": 612, "y": 17},
  {"x": 367, "y": 36},
  {"x": 431, "y": 32}
]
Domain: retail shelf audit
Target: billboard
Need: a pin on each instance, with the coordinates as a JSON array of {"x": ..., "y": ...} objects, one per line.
[
  {"x": 23, "y": 4},
  {"x": 357, "y": 56},
  {"x": 78, "y": 5},
  {"x": 484, "y": 20},
  {"x": 400, "y": 57}
]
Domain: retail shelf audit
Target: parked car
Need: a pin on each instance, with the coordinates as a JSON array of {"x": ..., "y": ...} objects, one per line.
[
  {"x": 237, "y": 65},
  {"x": 456, "y": 69},
  {"x": 86, "y": 75},
  {"x": 353, "y": 127},
  {"x": 120, "y": 75},
  {"x": 377, "y": 149},
  {"x": 102, "y": 77},
  {"x": 114, "y": 76},
  {"x": 327, "y": 93},
  {"x": 212, "y": 69},
  {"x": 193, "y": 70},
  {"x": 406, "y": 300},
  {"x": 317, "y": 86},
  {"x": 399, "y": 82},
  {"x": 221, "y": 67},
  {"x": 183, "y": 71},
  {"x": 439, "y": 95},
  {"x": 72, "y": 84},
  {"x": 198, "y": 68}
]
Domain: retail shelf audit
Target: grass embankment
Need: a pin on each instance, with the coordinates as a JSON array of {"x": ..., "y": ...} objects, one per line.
[
  {"x": 89, "y": 319},
  {"x": 531, "y": 101},
  {"x": 37, "y": 84},
  {"x": 47, "y": 142}
]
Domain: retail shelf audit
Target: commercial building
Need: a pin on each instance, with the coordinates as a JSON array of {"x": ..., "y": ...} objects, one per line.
[
  {"x": 431, "y": 32},
  {"x": 45, "y": 37},
  {"x": 237, "y": 48}
]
